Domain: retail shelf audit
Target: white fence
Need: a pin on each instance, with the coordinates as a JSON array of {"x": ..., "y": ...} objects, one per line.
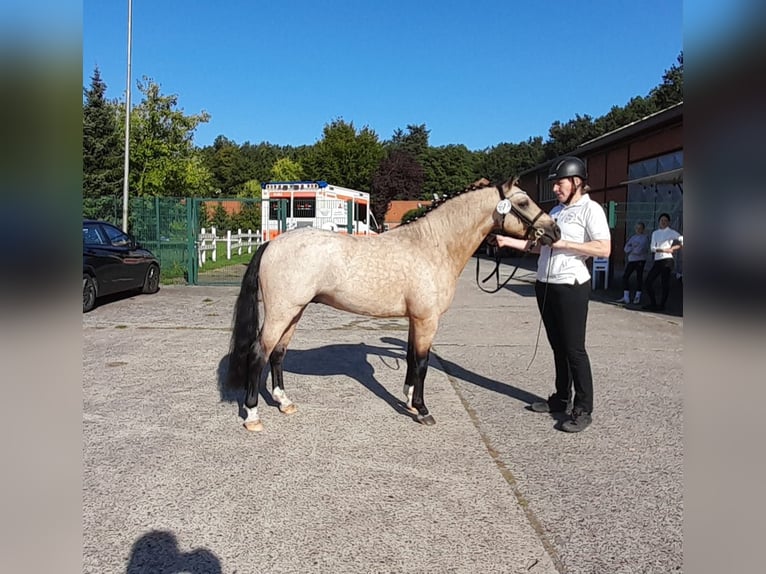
[{"x": 209, "y": 240}]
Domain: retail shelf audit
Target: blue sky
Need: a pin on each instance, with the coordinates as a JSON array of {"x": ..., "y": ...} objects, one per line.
[{"x": 475, "y": 72}]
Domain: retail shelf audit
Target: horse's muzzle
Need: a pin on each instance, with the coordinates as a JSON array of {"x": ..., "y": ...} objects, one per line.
[{"x": 545, "y": 236}]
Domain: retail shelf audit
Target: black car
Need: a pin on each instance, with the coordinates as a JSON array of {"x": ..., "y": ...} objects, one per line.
[{"x": 113, "y": 262}]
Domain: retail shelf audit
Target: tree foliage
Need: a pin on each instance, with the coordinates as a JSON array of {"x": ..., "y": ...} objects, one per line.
[
  {"x": 671, "y": 91},
  {"x": 506, "y": 160},
  {"x": 164, "y": 161},
  {"x": 163, "y": 158},
  {"x": 102, "y": 147},
  {"x": 344, "y": 156},
  {"x": 286, "y": 169},
  {"x": 448, "y": 169},
  {"x": 399, "y": 176}
]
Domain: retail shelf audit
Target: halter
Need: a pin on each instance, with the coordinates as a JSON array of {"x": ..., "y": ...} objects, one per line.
[{"x": 508, "y": 207}]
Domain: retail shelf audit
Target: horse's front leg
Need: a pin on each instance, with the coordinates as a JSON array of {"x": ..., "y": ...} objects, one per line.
[{"x": 418, "y": 352}]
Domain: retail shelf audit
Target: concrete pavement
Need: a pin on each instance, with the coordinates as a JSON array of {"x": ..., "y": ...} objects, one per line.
[{"x": 172, "y": 482}]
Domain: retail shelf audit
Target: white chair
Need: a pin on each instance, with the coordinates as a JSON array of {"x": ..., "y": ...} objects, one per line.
[{"x": 600, "y": 264}]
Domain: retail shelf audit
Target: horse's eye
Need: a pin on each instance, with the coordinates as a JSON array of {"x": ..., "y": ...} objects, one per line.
[{"x": 524, "y": 203}]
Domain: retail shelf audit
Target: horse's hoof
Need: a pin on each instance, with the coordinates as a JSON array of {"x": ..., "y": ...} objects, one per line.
[
  {"x": 254, "y": 426},
  {"x": 288, "y": 410},
  {"x": 427, "y": 420}
]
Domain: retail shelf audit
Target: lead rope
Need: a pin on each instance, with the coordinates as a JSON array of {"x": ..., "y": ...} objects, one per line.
[
  {"x": 495, "y": 271},
  {"x": 540, "y": 323}
]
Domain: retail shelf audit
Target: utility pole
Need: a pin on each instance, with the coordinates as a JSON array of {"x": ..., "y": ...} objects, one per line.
[{"x": 126, "y": 170}]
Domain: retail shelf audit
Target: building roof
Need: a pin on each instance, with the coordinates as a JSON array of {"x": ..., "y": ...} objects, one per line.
[
  {"x": 655, "y": 120},
  {"x": 399, "y": 207}
]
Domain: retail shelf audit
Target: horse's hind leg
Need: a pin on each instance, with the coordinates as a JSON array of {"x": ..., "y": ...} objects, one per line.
[
  {"x": 276, "y": 359},
  {"x": 421, "y": 335},
  {"x": 277, "y": 379},
  {"x": 256, "y": 364}
]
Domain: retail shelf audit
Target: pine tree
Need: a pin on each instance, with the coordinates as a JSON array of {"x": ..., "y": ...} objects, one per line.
[{"x": 102, "y": 149}]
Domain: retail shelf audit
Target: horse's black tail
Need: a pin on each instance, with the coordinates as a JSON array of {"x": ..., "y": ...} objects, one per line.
[{"x": 245, "y": 330}]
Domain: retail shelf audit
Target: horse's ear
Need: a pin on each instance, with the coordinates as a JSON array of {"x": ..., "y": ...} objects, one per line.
[{"x": 509, "y": 184}]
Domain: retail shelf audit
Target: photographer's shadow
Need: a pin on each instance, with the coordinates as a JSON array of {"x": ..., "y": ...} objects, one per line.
[{"x": 157, "y": 553}]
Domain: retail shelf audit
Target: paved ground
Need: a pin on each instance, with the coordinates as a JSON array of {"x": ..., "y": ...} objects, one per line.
[{"x": 172, "y": 482}]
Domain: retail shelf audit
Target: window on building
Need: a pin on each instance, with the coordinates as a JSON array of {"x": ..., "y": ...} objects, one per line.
[
  {"x": 274, "y": 206},
  {"x": 305, "y": 206}
]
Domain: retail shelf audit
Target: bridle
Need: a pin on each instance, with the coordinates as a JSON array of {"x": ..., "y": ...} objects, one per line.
[{"x": 506, "y": 206}]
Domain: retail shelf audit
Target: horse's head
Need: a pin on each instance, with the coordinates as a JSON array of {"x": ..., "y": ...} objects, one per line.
[{"x": 517, "y": 215}]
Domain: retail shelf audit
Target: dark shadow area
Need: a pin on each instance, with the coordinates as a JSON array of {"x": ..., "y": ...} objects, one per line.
[
  {"x": 463, "y": 374},
  {"x": 157, "y": 553},
  {"x": 114, "y": 297},
  {"x": 350, "y": 360},
  {"x": 673, "y": 308}
]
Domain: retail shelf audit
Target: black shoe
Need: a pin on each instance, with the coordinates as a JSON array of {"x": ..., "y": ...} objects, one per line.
[
  {"x": 552, "y": 405},
  {"x": 650, "y": 308},
  {"x": 579, "y": 422}
]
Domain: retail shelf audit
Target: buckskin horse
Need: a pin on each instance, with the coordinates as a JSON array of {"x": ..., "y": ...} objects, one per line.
[{"x": 410, "y": 271}]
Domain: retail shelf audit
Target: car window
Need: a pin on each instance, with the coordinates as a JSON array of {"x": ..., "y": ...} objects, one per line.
[
  {"x": 117, "y": 237},
  {"x": 92, "y": 235}
]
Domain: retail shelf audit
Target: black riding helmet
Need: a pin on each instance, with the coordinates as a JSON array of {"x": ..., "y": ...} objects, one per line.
[{"x": 569, "y": 166}]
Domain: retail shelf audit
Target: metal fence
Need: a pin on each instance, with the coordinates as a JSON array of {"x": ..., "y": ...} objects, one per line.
[{"x": 170, "y": 228}]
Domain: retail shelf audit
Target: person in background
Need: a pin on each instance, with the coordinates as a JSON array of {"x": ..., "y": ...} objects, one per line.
[
  {"x": 637, "y": 250},
  {"x": 563, "y": 288},
  {"x": 664, "y": 243}
]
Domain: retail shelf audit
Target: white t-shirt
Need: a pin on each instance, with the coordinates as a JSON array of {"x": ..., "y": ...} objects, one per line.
[
  {"x": 663, "y": 239},
  {"x": 579, "y": 222}
]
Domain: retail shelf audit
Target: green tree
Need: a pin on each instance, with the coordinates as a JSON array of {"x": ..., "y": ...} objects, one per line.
[
  {"x": 563, "y": 138},
  {"x": 344, "y": 156},
  {"x": 414, "y": 142},
  {"x": 219, "y": 218},
  {"x": 506, "y": 160},
  {"x": 448, "y": 169},
  {"x": 249, "y": 217},
  {"x": 164, "y": 161},
  {"x": 102, "y": 147},
  {"x": 286, "y": 169},
  {"x": 671, "y": 91},
  {"x": 413, "y": 214}
]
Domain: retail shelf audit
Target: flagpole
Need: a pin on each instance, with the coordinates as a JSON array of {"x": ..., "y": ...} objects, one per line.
[{"x": 126, "y": 170}]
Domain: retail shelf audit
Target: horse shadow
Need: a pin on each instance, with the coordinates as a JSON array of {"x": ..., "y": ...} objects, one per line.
[
  {"x": 157, "y": 552},
  {"x": 457, "y": 371},
  {"x": 352, "y": 360}
]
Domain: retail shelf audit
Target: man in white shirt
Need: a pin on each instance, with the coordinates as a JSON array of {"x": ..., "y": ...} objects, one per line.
[{"x": 664, "y": 243}]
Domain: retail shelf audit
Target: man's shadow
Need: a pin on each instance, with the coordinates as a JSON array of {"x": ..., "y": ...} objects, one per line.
[
  {"x": 352, "y": 361},
  {"x": 157, "y": 553}
]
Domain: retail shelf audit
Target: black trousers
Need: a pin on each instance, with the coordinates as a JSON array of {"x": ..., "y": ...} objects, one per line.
[
  {"x": 638, "y": 268},
  {"x": 564, "y": 309},
  {"x": 662, "y": 268}
]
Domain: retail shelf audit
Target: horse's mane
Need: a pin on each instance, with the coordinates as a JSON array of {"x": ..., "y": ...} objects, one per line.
[{"x": 439, "y": 201}]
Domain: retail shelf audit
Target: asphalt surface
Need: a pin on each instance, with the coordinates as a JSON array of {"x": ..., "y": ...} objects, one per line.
[{"x": 173, "y": 483}]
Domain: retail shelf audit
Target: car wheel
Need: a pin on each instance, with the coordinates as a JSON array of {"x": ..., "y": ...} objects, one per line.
[
  {"x": 88, "y": 293},
  {"x": 152, "y": 280}
]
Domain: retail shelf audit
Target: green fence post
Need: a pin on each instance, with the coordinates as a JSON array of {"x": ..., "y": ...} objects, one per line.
[
  {"x": 191, "y": 242},
  {"x": 612, "y": 214},
  {"x": 350, "y": 216}
]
